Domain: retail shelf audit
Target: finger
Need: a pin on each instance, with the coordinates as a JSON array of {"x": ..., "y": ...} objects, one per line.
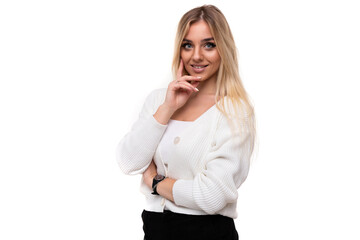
[
  {"x": 182, "y": 81},
  {"x": 189, "y": 78},
  {"x": 180, "y": 70},
  {"x": 186, "y": 86},
  {"x": 192, "y": 83}
]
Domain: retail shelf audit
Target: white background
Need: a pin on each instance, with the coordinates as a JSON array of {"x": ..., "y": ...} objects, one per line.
[{"x": 74, "y": 75}]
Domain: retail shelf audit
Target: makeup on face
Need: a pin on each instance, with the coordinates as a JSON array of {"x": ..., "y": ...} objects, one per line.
[{"x": 199, "y": 52}]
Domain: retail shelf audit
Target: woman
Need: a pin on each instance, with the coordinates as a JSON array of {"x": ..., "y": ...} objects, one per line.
[{"x": 193, "y": 140}]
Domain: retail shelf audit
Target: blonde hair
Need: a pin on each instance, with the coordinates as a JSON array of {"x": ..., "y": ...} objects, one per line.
[{"x": 237, "y": 108}]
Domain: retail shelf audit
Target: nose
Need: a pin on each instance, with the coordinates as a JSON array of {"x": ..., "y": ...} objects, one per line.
[{"x": 197, "y": 54}]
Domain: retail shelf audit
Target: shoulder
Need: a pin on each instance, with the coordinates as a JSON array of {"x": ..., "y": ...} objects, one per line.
[
  {"x": 234, "y": 107},
  {"x": 235, "y": 116}
]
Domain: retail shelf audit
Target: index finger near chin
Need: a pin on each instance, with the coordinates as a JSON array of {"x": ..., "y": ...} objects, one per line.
[{"x": 180, "y": 69}]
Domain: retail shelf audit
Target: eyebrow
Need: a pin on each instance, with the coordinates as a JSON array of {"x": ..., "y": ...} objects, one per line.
[{"x": 204, "y": 40}]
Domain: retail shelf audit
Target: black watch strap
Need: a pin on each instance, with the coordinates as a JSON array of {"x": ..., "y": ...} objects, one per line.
[{"x": 158, "y": 178}]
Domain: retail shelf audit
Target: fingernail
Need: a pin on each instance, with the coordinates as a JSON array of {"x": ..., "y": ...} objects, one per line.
[
  {"x": 196, "y": 89},
  {"x": 199, "y": 77}
]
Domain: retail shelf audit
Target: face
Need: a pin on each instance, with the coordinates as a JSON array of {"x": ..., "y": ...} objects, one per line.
[{"x": 199, "y": 53}]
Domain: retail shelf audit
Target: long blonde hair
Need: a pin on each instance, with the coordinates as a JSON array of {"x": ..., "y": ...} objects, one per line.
[{"x": 238, "y": 110}]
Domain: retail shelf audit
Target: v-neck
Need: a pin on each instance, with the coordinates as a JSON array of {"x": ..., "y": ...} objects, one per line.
[{"x": 198, "y": 118}]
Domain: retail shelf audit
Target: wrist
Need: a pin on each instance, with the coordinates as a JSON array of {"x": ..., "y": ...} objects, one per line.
[
  {"x": 167, "y": 109},
  {"x": 157, "y": 179},
  {"x": 164, "y": 113},
  {"x": 149, "y": 179}
]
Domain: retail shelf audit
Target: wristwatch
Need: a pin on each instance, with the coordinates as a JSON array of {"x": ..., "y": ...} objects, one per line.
[{"x": 158, "y": 178}]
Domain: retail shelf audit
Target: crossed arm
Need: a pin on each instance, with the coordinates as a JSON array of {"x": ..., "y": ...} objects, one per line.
[
  {"x": 210, "y": 190},
  {"x": 164, "y": 188}
]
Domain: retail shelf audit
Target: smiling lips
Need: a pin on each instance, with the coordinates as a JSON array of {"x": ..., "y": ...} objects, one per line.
[{"x": 198, "y": 68}]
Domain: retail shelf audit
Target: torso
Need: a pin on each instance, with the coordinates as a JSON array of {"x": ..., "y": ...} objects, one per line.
[{"x": 194, "y": 108}]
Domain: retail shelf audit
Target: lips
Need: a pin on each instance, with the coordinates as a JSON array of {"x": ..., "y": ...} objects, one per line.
[{"x": 198, "y": 68}]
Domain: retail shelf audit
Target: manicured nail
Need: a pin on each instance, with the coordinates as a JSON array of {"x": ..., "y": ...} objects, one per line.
[
  {"x": 199, "y": 77},
  {"x": 196, "y": 89}
]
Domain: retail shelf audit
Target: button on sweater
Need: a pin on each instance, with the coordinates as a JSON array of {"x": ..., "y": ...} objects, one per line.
[{"x": 209, "y": 161}]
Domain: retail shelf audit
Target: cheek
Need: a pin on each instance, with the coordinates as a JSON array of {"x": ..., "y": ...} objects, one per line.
[
  {"x": 214, "y": 57},
  {"x": 216, "y": 60},
  {"x": 184, "y": 56}
]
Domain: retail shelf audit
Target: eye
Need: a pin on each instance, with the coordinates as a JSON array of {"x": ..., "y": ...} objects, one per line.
[
  {"x": 210, "y": 45},
  {"x": 186, "y": 45}
]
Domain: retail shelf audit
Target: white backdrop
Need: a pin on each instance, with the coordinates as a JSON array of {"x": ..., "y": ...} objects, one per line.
[{"x": 74, "y": 75}]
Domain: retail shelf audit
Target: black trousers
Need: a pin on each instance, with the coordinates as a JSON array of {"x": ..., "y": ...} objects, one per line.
[{"x": 174, "y": 226}]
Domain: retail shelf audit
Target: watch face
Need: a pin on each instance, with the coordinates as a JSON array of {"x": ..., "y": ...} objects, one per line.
[{"x": 159, "y": 177}]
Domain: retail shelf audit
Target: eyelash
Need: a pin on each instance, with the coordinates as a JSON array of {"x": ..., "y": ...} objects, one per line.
[
  {"x": 184, "y": 45},
  {"x": 212, "y": 45}
]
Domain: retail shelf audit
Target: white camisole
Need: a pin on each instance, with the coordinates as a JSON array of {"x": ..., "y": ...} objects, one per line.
[{"x": 166, "y": 144}]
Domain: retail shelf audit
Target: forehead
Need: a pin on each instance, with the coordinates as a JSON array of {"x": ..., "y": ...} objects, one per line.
[{"x": 198, "y": 31}]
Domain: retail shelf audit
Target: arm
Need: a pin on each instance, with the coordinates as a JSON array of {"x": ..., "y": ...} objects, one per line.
[
  {"x": 136, "y": 149},
  {"x": 212, "y": 189},
  {"x": 226, "y": 168},
  {"x": 164, "y": 188}
]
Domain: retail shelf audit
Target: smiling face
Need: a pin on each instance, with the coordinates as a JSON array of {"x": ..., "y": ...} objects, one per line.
[{"x": 199, "y": 53}]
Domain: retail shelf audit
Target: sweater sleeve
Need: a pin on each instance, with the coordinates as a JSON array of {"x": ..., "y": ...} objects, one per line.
[
  {"x": 226, "y": 168},
  {"x": 136, "y": 149}
]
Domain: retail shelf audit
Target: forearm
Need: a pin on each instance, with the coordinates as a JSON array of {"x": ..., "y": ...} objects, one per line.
[
  {"x": 137, "y": 147},
  {"x": 163, "y": 114},
  {"x": 165, "y": 187}
]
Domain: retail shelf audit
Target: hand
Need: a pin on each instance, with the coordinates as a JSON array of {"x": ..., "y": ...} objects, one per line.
[
  {"x": 149, "y": 174},
  {"x": 180, "y": 90}
]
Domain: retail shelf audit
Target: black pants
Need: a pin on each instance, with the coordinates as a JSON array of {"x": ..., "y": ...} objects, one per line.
[{"x": 175, "y": 226}]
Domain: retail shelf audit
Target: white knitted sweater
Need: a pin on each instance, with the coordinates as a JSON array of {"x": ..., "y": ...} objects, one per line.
[{"x": 209, "y": 162}]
